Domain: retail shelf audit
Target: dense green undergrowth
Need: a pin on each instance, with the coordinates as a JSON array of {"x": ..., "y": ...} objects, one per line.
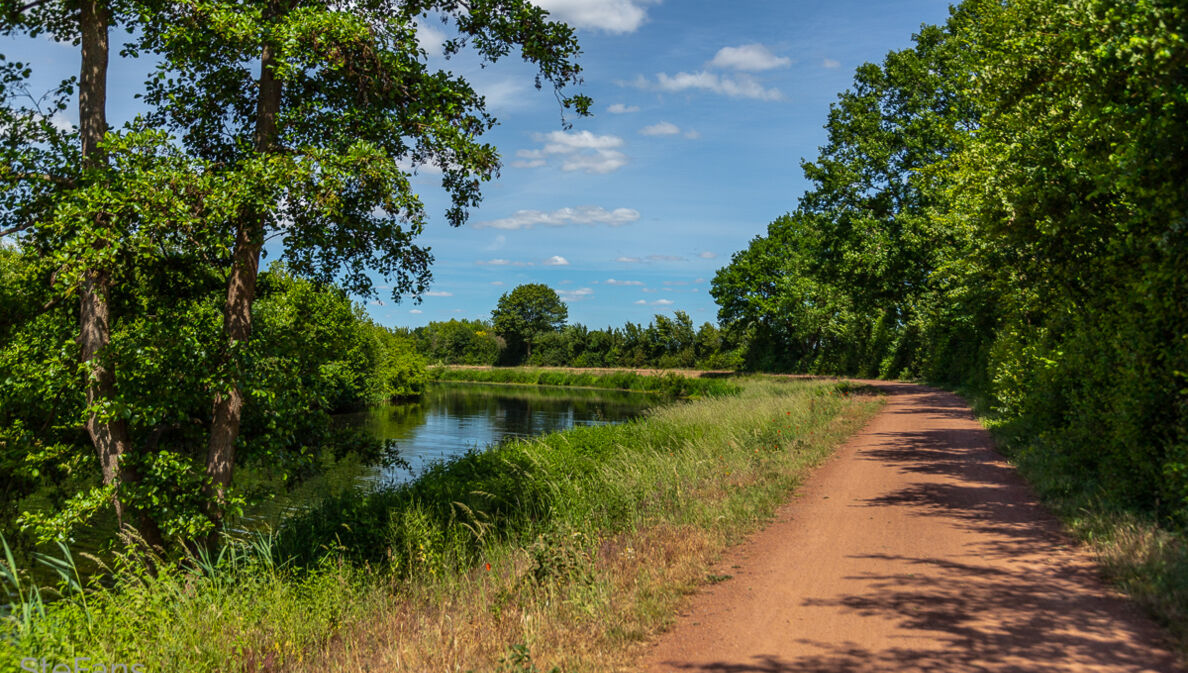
[
  {"x": 670, "y": 384},
  {"x": 539, "y": 511}
]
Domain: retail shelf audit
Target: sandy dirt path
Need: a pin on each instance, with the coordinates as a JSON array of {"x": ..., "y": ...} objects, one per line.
[{"x": 916, "y": 548}]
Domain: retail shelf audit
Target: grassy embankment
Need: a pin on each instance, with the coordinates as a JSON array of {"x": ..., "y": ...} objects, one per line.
[
  {"x": 575, "y": 548},
  {"x": 1144, "y": 556},
  {"x": 667, "y": 383}
]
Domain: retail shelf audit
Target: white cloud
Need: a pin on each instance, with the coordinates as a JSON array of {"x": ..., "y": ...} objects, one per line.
[
  {"x": 658, "y": 302},
  {"x": 579, "y": 151},
  {"x": 752, "y": 57},
  {"x": 556, "y": 260},
  {"x": 628, "y": 260},
  {"x": 416, "y": 311},
  {"x": 436, "y": 293},
  {"x": 621, "y": 109},
  {"x": 574, "y": 295},
  {"x": 739, "y": 86},
  {"x": 699, "y": 280},
  {"x": 706, "y": 254},
  {"x": 830, "y": 63},
  {"x": 661, "y": 129},
  {"x": 612, "y": 281},
  {"x": 429, "y": 38},
  {"x": 641, "y": 302},
  {"x": 602, "y": 162},
  {"x": 692, "y": 134},
  {"x": 565, "y": 142},
  {"x": 589, "y": 215},
  {"x": 613, "y": 16},
  {"x": 497, "y": 282}
]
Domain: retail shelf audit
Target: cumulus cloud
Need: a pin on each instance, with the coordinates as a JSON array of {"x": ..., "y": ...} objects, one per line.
[
  {"x": 738, "y": 86},
  {"x": 613, "y": 16},
  {"x": 600, "y": 162},
  {"x": 628, "y": 260},
  {"x": 497, "y": 282},
  {"x": 706, "y": 254},
  {"x": 751, "y": 57},
  {"x": 577, "y": 151},
  {"x": 574, "y": 295},
  {"x": 436, "y": 293},
  {"x": 621, "y": 109},
  {"x": 556, "y": 260},
  {"x": 692, "y": 134},
  {"x": 589, "y": 215},
  {"x": 661, "y": 129},
  {"x": 416, "y": 311},
  {"x": 830, "y": 63},
  {"x": 658, "y": 302},
  {"x": 429, "y": 38},
  {"x": 612, "y": 281}
]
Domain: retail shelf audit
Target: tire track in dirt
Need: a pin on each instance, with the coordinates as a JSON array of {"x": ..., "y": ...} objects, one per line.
[{"x": 916, "y": 548}]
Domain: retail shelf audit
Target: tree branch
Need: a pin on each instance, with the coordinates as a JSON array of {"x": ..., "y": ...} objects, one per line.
[
  {"x": 16, "y": 229},
  {"x": 31, "y": 5}
]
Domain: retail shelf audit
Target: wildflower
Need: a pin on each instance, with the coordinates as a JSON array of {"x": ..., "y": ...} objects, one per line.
[{"x": 488, "y": 567}]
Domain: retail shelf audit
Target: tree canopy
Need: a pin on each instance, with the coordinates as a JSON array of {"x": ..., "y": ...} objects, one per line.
[
  {"x": 1002, "y": 206},
  {"x": 526, "y": 313},
  {"x": 298, "y": 122}
]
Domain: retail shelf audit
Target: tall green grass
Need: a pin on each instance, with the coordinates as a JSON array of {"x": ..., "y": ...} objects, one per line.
[
  {"x": 489, "y": 528},
  {"x": 670, "y": 384}
]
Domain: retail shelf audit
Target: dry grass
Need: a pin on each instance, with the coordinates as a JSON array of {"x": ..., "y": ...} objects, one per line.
[{"x": 609, "y": 599}]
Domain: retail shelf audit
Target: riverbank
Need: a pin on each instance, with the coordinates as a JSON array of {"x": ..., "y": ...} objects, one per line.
[
  {"x": 569, "y": 550},
  {"x": 674, "y": 383}
]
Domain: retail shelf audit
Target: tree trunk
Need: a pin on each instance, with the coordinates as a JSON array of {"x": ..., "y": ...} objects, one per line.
[
  {"x": 237, "y": 312},
  {"x": 111, "y": 437}
]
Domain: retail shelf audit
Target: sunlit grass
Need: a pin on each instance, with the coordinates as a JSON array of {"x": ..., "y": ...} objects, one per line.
[{"x": 568, "y": 550}]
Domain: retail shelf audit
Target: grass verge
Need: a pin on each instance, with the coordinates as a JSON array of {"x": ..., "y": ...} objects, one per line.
[
  {"x": 1142, "y": 556},
  {"x": 668, "y": 383},
  {"x": 568, "y": 551}
]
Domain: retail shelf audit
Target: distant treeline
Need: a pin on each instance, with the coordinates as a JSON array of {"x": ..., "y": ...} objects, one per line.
[
  {"x": 666, "y": 342},
  {"x": 1004, "y": 206}
]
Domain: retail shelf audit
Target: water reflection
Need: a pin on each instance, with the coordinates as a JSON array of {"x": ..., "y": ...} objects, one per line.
[{"x": 453, "y": 418}]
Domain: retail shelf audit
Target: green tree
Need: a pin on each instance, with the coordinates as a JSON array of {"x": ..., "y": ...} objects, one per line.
[
  {"x": 297, "y": 120},
  {"x": 526, "y": 313}
]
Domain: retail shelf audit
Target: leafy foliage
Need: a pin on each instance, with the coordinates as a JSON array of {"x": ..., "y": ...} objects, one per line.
[{"x": 1002, "y": 206}]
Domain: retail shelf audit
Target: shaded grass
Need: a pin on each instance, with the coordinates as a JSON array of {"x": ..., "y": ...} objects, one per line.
[
  {"x": 1142, "y": 555},
  {"x": 568, "y": 550},
  {"x": 667, "y": 383}
]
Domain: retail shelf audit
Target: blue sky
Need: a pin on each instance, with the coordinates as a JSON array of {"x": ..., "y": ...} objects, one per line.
[{"x": 703, "y": 110}]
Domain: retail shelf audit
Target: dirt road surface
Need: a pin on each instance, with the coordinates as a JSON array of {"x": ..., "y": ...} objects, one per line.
[{"x": 916, "y": 548}]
